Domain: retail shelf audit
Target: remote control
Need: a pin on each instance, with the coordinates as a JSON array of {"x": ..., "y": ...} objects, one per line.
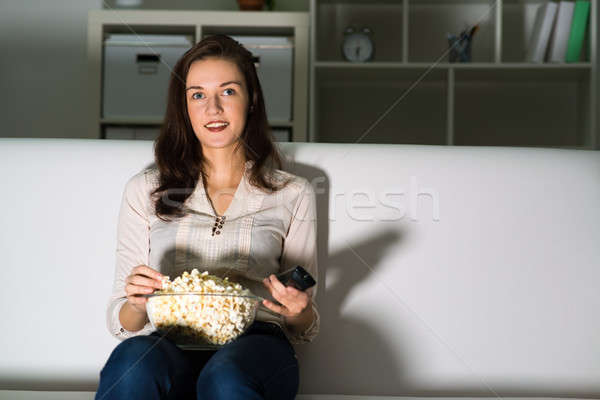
[{"x": 298, "y": 278}]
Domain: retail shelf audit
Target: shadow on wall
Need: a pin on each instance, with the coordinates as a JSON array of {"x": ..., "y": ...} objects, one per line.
[
  {"x": 353, "y": 347},
  {"x": 343, "y": 340}
]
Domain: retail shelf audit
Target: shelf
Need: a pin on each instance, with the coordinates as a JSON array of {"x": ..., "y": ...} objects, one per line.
[
  {"x": 446, "y": 65},
  {"x": 234, "y": 30},
  {"x": 132, "y": 121},
  {"x": 151, "y": 121},
  {"x": 450, "y": 2},
  {"x": 385, "y": 21},
  {"x": 374, "y": 108},
  {"x": 129, "y": 132},
  {"x": 518, "y": 72},
  {"x": 196, "y": 24},
  {"x": 518, "y": 113},
  {"x": 431, "y": 21},
  {"x": 497, "y": 99},
  {"x": 281, "y": 124},
  {"x": 145, "y": 29},
  {"x": 546, "y": 75},
  {"x": 373, "y": 76},
  {"x": 358, "y": 2},
  {"x": 518, "y": 19},
  {"x": 396, "y": 2}
]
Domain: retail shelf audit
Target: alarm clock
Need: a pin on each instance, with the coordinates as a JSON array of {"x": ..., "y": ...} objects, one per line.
[{"x": 357, "y": 45}]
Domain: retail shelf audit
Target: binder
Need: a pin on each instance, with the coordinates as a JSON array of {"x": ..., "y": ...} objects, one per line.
[
  {"x": 557, "y": 50},
  {"x": 540, "y": 36},
  {"x": 578, "y": 29}
]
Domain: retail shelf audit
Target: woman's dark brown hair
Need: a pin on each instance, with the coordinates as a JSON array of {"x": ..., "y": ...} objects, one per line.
[{"x": 177, "y": 150}]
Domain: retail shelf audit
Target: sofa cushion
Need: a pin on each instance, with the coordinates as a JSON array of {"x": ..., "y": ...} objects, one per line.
[{"x": 443, "y": 270}]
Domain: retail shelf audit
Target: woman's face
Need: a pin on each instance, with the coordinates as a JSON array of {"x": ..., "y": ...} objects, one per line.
[{"x": 216, "y": 94}]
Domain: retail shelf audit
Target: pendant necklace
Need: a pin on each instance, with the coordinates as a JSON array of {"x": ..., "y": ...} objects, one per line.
[{"x": 219, "y": 220}]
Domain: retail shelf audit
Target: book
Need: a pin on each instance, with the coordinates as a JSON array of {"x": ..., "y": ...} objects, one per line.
[
  {"x": 540, "y": 35},
  {"x": 578, "y": 29},
  {"x": 557, "y": 49}
]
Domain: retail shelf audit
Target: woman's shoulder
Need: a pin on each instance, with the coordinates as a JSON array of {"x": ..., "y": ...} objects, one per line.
[
  {"x": 142, "y": 184},
  {"x": 146, "y": 178},
  {"x": 295, "y": 183}
]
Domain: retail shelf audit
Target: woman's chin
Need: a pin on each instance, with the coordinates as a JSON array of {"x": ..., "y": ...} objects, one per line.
[{"x": 218, "y": 142}]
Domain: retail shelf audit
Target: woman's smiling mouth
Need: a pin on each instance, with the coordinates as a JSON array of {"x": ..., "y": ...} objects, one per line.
[{"x": 216, "y": 126}]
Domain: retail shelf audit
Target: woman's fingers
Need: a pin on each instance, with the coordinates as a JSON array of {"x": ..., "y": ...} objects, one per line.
[
  {"x": 276, "y": 288},
  {"x": 140, "y": 280},
  {"x": 276, "y": 284},
  {"x": 136, "y": 292},
  {"x": 269, "y": 286},
  {"x": 274, "y": 307},
  {"x": 147, "y": 271},
  {"x": 143, "y": 280}
]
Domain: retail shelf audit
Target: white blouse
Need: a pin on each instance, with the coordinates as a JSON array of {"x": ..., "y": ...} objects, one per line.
[{"x": 263, "y": 234}]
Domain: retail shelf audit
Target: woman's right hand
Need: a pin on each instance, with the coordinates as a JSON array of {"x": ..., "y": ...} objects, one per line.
[{"x": 143, "y": 280}]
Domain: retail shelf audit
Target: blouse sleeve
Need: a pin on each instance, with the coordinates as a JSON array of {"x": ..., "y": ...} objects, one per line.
[
  {"x": 300, "y": 248},
  {"x": 133, "y": 244}
]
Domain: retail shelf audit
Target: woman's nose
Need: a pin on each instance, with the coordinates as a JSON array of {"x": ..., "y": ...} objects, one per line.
[{"x": 213, "y": 104}]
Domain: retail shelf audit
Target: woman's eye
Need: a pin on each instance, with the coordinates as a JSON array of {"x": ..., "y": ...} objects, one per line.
[
  {"x": 195, "y": 97},
  {"x": 232, "y": 90}
]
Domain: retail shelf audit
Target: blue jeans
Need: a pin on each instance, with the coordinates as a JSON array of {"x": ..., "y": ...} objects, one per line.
[{"x": 260, "y": 364}]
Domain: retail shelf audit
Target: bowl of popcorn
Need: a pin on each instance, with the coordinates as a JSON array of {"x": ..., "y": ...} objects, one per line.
[{"x": 201, "y": 311}]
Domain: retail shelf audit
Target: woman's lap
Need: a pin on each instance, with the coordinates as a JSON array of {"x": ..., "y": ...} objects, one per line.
[
  {"x": 262, "y": 357},
  {"x": 147, "y": 367},
  {"x": 260, "y": 364}
]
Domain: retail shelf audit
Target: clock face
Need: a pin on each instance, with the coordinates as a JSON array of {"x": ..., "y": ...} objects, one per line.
[{"x": 357, "y": 47}]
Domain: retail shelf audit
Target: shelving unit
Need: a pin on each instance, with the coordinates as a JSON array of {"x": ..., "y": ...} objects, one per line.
[
  {"x": 498, "y": 99},
  {"x": 198, "y": 24}
]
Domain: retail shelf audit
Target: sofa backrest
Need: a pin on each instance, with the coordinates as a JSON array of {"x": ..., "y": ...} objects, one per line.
[{"x": 443, "y": 270}]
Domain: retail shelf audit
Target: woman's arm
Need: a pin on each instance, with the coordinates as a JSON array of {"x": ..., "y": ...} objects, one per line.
[
  {"x": 131, "y": 319},
  {"x": 300, "y": 248},
  {"x": 298, "y": 325},
  {"x": 133, "y": 243}
]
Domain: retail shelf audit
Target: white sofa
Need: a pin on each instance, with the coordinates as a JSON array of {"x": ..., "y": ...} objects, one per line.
[{"x": 444, "y": 271}]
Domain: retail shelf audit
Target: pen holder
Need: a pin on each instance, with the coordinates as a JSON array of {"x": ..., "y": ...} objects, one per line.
[{"x": 460, "y": 48}]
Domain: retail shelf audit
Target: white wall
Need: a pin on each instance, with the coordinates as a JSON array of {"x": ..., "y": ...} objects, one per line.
[{"x": 43, "y": 70}]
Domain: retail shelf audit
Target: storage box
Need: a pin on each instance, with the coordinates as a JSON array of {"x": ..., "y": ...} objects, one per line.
[
  {"x": 281, "y": 134},
  {"x": 131, "y": 132},
  {"x": 274, "y": 65},
  {"x": 137, "y": 69}
]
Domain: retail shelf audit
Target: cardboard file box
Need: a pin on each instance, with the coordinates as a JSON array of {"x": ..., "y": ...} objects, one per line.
[
  {"x": 137, "y": 69},
  {"x": 274, "y": 60},
  {"x": 281, "y": 134},
  {"x": 131, "y": 132}
]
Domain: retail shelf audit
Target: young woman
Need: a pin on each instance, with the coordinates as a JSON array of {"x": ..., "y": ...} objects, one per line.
[{"x": 216, "y": 200}]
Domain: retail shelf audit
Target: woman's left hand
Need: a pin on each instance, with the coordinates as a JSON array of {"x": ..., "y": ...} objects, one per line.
[{"x": 293, "y": 301}]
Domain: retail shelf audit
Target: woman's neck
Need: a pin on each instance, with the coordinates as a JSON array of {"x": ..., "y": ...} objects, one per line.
[{"x": 224, "y": 169}]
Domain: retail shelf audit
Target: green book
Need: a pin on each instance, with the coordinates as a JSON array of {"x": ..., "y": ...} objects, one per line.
[{"x": 578, "y": 30}]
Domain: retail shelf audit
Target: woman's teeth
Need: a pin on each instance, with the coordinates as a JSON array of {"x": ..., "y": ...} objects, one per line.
[{"x": 217, "y": 125}]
